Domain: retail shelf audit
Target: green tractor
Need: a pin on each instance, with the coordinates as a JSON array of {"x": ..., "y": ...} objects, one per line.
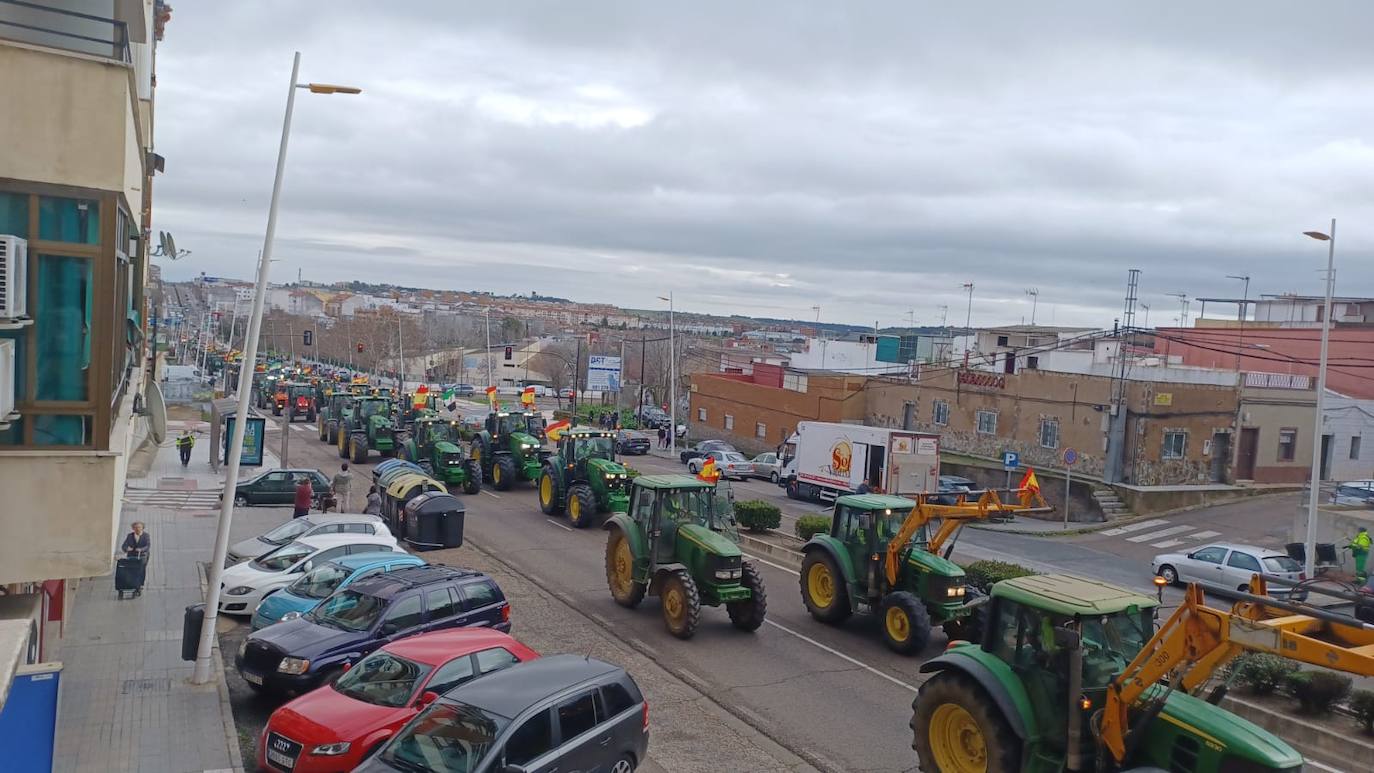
[
  {"x": 679, "y": 541},
  {"x": 335, "y": 407},
  {"x": 436, "y": 445},
  {"x": 367, "y": 425},
  {"x": 1064, "y": 678},
  {"x": 511, "y": 444},
  {"x": 583, "y": 478}
]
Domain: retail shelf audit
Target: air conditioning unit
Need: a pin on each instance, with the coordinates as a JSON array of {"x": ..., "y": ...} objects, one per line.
[
  {"x": 14, "y": 277},
  {"x": 7, "y": 366}
]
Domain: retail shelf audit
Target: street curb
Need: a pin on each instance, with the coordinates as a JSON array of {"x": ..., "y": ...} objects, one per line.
[
  {"x": 791, "y": 558},
  {"x": 803, "y": 761},
  {"x": 1104, "y": 525},
  {"x": 231, "y": 733}
]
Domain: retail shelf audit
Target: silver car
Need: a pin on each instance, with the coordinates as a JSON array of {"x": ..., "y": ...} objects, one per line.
[
  {"x": 766, "y": 466},
  {"x": 730, "y": 464},
  {"x": 1358, "y": 493},
  {"x": 1227, "y": 567}
]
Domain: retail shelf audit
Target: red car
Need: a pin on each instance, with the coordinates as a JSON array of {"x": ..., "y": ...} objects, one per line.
[{"x": 335, "y": 726}]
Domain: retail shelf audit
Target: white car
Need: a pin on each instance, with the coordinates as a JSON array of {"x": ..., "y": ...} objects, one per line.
[
  {"x": 1226, "y": 567},
  {"x": 316, "y": 524},
  {"x": 1359, "y": 493},
  {"x": 243, "y": 586}
]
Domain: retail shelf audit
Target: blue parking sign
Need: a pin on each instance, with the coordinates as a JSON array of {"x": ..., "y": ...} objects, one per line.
[{"x": 1011, "y": 460}]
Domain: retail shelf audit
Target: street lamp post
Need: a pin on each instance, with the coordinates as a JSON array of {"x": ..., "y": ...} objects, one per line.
[
  {"x": 1034, "y": 293},
  {"x": 1310, "y": 545},
  {"x": 672, "y": 375},
  {"x": 202, "y": 673},
  {"x": 490, "y": 381}
]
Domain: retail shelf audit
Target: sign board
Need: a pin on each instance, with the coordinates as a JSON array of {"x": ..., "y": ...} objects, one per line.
[
  {"x": 1164, "y": 398},
  {"x": 252, "y": 441},
  {"x": 927, "y": 446},
  {"x": 603, "y": 373},
  {"x": 28, "y": 719},
  {"x": 1070, "y": 457},
  {"x": 1010, "y": 460}
]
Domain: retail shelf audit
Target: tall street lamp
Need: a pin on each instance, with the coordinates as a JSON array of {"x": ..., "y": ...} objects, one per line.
[
  {"x": 1310, "y": 546},
  {"x": 202, "y": 674},
  {"x": 672, "y": 375}
]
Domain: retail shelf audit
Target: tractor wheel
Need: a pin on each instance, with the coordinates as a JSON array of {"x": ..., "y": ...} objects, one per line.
[
  {"x": 330, "y": 434},
  {"x": 748, "y": 615},
  {"x": 620, "y": 566},
  {"x": 474, "y": 482},
  {"x": 357, "y": 450},
  {"x": 342, "y": 442},
  {"x": 906, "y": 624},
  {"x": 970, "y": 627},
  {"x": 549, "y": 495},
  {"x": 681, "y": 604},
  {"x": 581, "y": 506},
  {"x": 956, "y": 728},
  {"x": 320, "y": 427},
  {"x": 503, "y": 473},
  {"x": 823, "y": 588}
]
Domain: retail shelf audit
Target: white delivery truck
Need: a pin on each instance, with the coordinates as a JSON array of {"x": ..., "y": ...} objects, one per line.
[{"x": 823, "y": 460}]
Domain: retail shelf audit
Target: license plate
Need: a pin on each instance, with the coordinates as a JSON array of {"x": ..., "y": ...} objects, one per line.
[
  {"x": 277, "y": 758},
  {"x": 252, "y": 677}
]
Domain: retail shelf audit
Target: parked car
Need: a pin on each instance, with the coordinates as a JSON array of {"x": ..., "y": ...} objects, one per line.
[
  {"x": 464, "y": 390},
  {"x": 1359, "y": 493},
  {"x": 306, "y": 526},
  {"x": 319, "y": 583},
  {"x": 566, "y": 393},
  {"x": 628, "y": 441},
  {"x": 952, "y": 486},
  {"x": 653, "y": 417},
  {"x": 295, "y": 656},
  {"x": 731, "y": 464},
  {"x": 277, "y": 487},
  {"x": 703, "y": 449},
  {"x": 766, "y": 466},
  {"x": 562, "y": 712},
  {"x": 1227, "y": 567},
  {"x": 335, "y": 726},
  {"x": 245, "y": 585}
]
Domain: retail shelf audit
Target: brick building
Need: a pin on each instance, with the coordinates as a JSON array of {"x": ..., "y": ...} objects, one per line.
[{"x": 758, "y": 410}]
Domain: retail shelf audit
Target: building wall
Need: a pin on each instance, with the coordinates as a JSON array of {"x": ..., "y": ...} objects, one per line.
[
  {"x": 827, "y": 398},
  {"x": 1285, "y": 350},
  {"x": 1347, "y": 420},
  {"x": 1200, "y": 412},
  {"x": 1270, "y": 411}
]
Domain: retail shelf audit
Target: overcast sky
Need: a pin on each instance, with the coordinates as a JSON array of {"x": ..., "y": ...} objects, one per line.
[{"x": 767, "y": 157}]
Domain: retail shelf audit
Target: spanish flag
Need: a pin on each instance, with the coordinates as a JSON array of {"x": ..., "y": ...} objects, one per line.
[
  {"x": 709, "y": 473},
  {"x": 527, "y": 397},
  {"x": 1029, "y": 482},
  {"x": 554, "y": 430},
  {"x": 420, "y": 398},
  {"x": 491, "y": 396}
]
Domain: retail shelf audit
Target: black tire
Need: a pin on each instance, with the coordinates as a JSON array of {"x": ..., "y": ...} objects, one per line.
[
  {"x": 331, "y": 434},
  {"x": 916, "y": 626},
  {"x": 474, "y": 482},
  {"x": 839, "y": 609},
  {"x": 1169, "y": 573},
  {"x": 341, "y": 442},
  {"x": 550, "y": 498},
  {"x": 681, "y": 604},
  {"x": 1001, "y": 747},
  {"x": 692, "y": 466},
  {"x": 357, "y": 450},
  {"x": 626, "y": 593},
  {"x": 970, "y": 627},
  {"x": 242, "y": 500},
  {"x": 791, "y": 489},
  {"x": 503, "y": 473},
  {"x": 323, "y": 433},
  {"x": 749, "y": 615},
  {"x": 581, "y": 514},
  {"x": 773, "y": 478}
]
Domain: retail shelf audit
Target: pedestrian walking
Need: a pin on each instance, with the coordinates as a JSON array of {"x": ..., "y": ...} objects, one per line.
[
  {"x": 184, "y": 445},
  {"x": 662, "y": 437},
  {"x": 374, "y": 502},
  {"x": 1359, "y": 548},
  {"x": 304, "y": 494},
  {"x": 343, "y": 485},
  {"x": 136, "y": 547}
]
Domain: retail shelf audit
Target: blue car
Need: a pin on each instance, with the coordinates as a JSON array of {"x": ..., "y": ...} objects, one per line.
[
  {"x": 295, "y": 656},
  {"x": 316, "y": 586}
]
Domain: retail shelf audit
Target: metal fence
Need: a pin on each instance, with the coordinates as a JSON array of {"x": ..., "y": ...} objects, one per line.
[{"x": 68, "y": 30}]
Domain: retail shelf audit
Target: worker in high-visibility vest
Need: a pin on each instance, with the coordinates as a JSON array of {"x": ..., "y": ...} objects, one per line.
[
  {"x": 184, "y": 445},
  {"x": 1359, "y": 548}
]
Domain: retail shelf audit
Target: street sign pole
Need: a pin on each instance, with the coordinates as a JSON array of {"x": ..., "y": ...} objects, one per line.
[
  {"x": 1070, "y": 458},
  {"x": 1010, "y": 461}
]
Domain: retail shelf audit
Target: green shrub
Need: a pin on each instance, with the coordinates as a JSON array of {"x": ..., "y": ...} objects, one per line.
[
  {"x": 809, "y": 526},
  {"x": 984, "y": 574},
  {"x": 1261, "y": 673},
  {"x": 1362, "y": 703},
  {"x": 1318, "y": 691},
  {"x": 757, "y": 515}
]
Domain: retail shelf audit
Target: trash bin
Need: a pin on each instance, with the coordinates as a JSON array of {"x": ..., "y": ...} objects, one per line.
[
  {"x": 190, "y": 631},
  {"x": 434, "y": 520}
]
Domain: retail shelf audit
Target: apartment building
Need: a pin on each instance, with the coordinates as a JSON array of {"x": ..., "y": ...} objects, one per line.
[{"x": 76, "y": 82}]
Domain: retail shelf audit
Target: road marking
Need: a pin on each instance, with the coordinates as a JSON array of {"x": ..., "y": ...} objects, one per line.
[
  {"x": 1204, "y": 535},
  {"x": 488, "y": 493},
  {"x": 301, "y": 427},
  {"x": 1169, "y": 532},
  {"x": 1168, "y": 543},
  {"x": 556, "y": 523},
  {"x": 1310, "y": 763},
  {"x": 1133, "y": 527},
  {"x": 843, "y": 656},
  {"x": 770, "y": 563}
]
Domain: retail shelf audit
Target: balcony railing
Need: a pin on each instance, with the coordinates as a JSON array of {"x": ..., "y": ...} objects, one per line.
[{"x": 83, "y": 33}]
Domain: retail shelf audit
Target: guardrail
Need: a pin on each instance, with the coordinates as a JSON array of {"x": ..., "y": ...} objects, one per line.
[{"x": 82, "y": 33}]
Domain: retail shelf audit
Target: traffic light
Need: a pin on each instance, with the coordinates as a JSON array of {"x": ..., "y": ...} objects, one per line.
[
  {"x": 309, "y": 337},
  {"x": 510, "y": 351},
  {"x": 360, "y": 346}
]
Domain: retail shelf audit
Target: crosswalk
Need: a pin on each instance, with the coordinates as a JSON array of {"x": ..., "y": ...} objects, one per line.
[
  {"x": 173, "y": 499},
  {"x": 1158, "y": 533}
]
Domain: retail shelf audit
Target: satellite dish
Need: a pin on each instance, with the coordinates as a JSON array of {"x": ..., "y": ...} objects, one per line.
[
  {"x": 162, "y": 242},
  {"x": 157, "y": 413},
  {"x": 172, "y": 248}
]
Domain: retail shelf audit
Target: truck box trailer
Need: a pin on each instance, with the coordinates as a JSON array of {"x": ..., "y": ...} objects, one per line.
[{"x": 823, "y": 460}]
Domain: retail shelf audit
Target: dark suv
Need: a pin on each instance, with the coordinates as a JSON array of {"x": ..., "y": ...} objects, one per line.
[
  {"x": 295, "y": 656},
  {"x": 564, "y": 712}
]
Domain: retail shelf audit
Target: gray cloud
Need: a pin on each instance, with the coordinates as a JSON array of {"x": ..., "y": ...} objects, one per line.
[{"x": 768, "y": 157}]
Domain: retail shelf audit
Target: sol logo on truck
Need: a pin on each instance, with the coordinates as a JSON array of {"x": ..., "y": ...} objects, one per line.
[{"x": 841, "y": 455}]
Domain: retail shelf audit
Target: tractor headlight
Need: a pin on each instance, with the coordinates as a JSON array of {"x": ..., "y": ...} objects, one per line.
[
  {"x": 954, "y": 592},
  {"x": 526, "y": 446},
  {"x": 729, "y": 574}
]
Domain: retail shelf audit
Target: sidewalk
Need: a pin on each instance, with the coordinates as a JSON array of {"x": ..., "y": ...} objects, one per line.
[{"x": 126, "y": 702}]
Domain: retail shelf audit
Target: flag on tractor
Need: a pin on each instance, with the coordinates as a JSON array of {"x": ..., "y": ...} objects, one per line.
[
  {"x": 1029, "y": 482},
  {"x": 527, "y": 397},
  {"x": 450, "y": 399},
  {"x": 556, "y": 429},
  {"x": 709, "y": 472},
  {"x": 491, "y": 396},
  {"x": 421, "y": 397}
]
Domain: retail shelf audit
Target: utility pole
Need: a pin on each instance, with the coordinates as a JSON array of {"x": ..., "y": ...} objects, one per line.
[
  {"x": 1244, "y": 305},
  {"x": 1182, "y": 307},
  {"x": 401, "y": 349},
  {"x": 1114, "y": 466},
  {"x": 490, "y": 380},
  {"x": 643, "y": 355},
  {"x": 1034, "y": 293}
]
